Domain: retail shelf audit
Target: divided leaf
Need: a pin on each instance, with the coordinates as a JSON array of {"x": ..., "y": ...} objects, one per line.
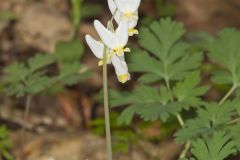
[
  {"x": 147, "y": 102},
  {"x": 22, "y": 78},
  {"x": 188, "y": 91},
  {"x": 31, "y": 78},
  {"x": 166, "y": 57},
  {"x": 219, "y": 147},
  {"x": 225, "y": 50},
  {"x": 210, "y": 118},
  {"x": 234, "y": 132},
  {"x": 39, "y": 61},
  {"x": 72, "y": 74},
  {"x": 5, "y": 143}
]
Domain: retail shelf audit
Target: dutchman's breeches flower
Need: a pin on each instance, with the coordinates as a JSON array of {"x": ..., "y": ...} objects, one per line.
[
  {"x": 118, "y": 62},
  {"x": 112, "y": 48},
  {"x": 116, "y": 41},
  {"x": 126, "y": 10}
]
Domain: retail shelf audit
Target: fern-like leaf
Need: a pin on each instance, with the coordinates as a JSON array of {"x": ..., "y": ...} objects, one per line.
[
  {"x": 219, "y": 147},
  {"x": 188, "y": 91},
  {"x": 225, "y": 50},
  {"x": 209, "y": 119},
  {"x": 165, "y": 57},
  {"x": 147, "y": 102}
]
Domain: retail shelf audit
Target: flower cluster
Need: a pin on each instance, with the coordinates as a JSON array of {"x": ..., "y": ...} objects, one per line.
[{"x": 113, "y": 42}]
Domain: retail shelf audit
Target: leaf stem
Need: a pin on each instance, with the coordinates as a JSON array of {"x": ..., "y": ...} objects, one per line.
[
  {"x": 232, "y": 89},
  {"x": 106, "y": 106},
  {"x": 23, "y": 131},
  {"x": 179, "y": 117},
  {"x": 181, "y": 122},
  {"x": 185, "y": 150},
  {"x": 234, "y": 121}
]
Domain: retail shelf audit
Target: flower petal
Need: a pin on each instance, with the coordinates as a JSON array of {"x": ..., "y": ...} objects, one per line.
[
  {"x": 122, "y": 33},
  {"x": 128, "y": 6},
  {"x": 132, "y": 23},
  {"x": 121, "y": 68},
  {"x": 96, "y": 46},
  {"x": 107, "y": 36}
]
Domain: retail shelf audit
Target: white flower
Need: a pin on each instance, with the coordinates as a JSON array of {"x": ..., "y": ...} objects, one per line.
[
  {"x": 118, "y": 62},
  {"x": 97, "y": 48},
  {"x": 116, "y": 41},
  {"x": 121, "y": 68},
  {"x": 125, "y": 10}
]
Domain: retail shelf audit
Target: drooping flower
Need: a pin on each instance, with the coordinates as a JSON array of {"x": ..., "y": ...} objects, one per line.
[
  {"x": 116, "y": 41},
  {"x": 125, "y": 10},
  {"x": 118, "y": 62},
  {"x": 121, "y": 68}
]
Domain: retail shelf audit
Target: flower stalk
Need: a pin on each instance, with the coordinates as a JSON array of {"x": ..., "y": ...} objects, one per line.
[
  {"x": 106, "y": 106},
  {"x": 23, "y": 130},
  {"x": 111, "y": 49}
]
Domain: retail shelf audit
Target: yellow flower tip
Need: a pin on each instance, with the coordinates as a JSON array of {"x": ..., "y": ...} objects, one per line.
[
  {"x": 120, "y": 51},
  {"x": 130, "y": 15},
  {"x": 127, "y": 50},
  {"x": 132, "y": 31},
  {"x": 100, "y": 63},
  {"x": 123, "y": 78}
]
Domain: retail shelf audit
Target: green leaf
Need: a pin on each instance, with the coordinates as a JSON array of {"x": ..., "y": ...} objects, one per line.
[
  {"x": 15, "y": 73},
  {"x": 151, "y": 65},
  {"x": 234, "y": 132},
  {"x": 72, "y": 74},
  {"x": 119, "y": 98},
  {"x": 188, "y": 91},
  {"x": 165, "y": 57},
  {"x": 156, "y": 38},
  {"x": 209, "y": 119},
  {"x": 225, "y": 50},
  {"x": 69, "y": 52},
  {"x": 218, "y": 147},
  {"x": 28, "y": 78},
  {"x": 37, "y": 83},
  {"x": 5, "y": 143},
  {"x": 147, "y": 102},
  {"x": 39, "y": 61},
  {"x": 222, "y": 77},
  {"x": 192, "y": 130}
]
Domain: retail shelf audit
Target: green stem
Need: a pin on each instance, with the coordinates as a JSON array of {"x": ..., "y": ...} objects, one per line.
[
  {"x": 180, "y": 120},
  {"x": 232, "y": 89},
  {"x": 179, "y": 117},
  {"x": 236, "y": 120},
  {"x": 185, "y": 150},
  {"x": 106, "y": 106},
  {"x": 23, "y": 131}
]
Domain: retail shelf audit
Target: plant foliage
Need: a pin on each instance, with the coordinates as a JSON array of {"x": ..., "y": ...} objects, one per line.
[
  {"x": 5, "y": 144},
  {"x": 170, "y": 84},
  {"x": 165, "y": 57},
  {"x": 217, "y": 147},
  {"x": 225, "y": 51}
]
